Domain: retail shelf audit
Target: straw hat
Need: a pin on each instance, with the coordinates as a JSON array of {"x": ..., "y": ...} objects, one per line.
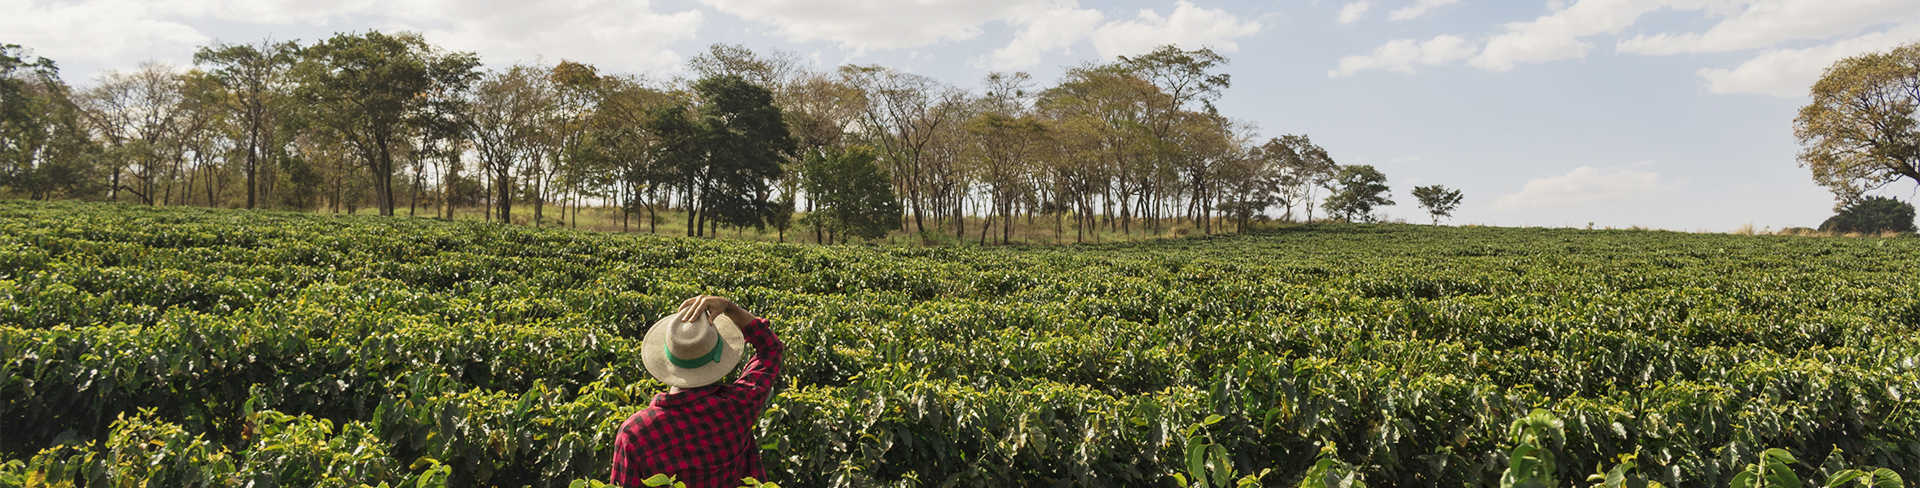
[{"x": 692, "y": 354}]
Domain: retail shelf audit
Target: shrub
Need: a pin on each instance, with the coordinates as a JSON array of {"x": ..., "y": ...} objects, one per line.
[{"x": 1873, "y": 214}]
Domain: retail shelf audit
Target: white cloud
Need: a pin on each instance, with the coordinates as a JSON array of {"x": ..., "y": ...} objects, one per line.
[
  {"x": 622, "y": 34},
  {"x": 1584, "y": 185},
  {"x": 1355, "y": 11},
  {"x": 625, "y": 34},
  {"x": 1789, "y": 72},
  {"x": 1189, "y": 26},
  {"x": 1050, "y": 29},
  {"x": 1418, "y": 9},
  {"x": 277, "y": 11},
  {"x": 1556, "y": 36},
  {"x": 880, "y": 24},
  {"x": 101, "y": 30},
  {"x": 1402, "y": 54},
  {"x": 1764, "y": 24},
  {"x": 1744, "y": 25}
]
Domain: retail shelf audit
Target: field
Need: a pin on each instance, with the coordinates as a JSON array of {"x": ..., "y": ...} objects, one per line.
[{"x": 189, "y": 347}]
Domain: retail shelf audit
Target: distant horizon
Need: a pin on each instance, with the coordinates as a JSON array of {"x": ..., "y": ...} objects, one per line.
[{"x": 1665, "y": 115}]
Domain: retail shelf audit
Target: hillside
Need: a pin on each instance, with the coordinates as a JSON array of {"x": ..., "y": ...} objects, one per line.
[{"x": 181, "y": 344}]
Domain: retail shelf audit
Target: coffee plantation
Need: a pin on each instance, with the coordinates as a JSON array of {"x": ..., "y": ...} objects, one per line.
[{"x": 148, "y": 346}]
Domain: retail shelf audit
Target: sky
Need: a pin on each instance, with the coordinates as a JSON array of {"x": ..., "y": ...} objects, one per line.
[{"x": 1669, "y": 114}]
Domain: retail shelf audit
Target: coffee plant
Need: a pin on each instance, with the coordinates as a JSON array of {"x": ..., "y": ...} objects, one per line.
[{"x": 193, "y": 347}]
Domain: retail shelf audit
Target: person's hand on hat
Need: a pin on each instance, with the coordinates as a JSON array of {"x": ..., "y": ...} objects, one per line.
[{"x": 710, "y": 306}]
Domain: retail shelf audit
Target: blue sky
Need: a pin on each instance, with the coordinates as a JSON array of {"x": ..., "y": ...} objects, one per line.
[{"x": 1672, "y": 114}]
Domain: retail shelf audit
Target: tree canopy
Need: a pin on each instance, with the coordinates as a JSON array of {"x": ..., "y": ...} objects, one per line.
[
  {"x": 853, "y": 195},
  {"x": 44, "y": 146},
  {"x": 388, "y": 121},
  {"x": 1859, "y": 132},
  {"x": 1361, "y": 188},
  {"x": 371, "y": 87},
  {"x": 1872, "y": 214},
  {"x": 1438, "y": 200}
]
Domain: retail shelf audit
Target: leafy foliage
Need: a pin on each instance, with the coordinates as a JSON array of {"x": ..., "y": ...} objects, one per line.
[
  {"x": 42, "y": 138},
  {"x": 852, "y": 196},
  {"x": 744, "y": 141},
  {"x": 1438, "y": 200},
  {"x": 362, "y": 350},
  {"x": 1872, "y": 214},
  {"x": 1860, "y": 132},
  {"x": 1360, "y": 189},
  {"x": 1531, "y": 465}
]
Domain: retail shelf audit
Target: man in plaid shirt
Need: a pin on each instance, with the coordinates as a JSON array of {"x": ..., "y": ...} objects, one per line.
[{"x": 700, "y": 431}]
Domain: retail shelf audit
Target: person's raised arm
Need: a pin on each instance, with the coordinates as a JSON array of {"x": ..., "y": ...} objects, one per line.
[
  {"x": 691, "y": 309},
  {"x": 763, "y": 369}
]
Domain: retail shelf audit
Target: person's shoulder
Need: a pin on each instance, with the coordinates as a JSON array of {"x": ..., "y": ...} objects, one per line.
[{"x": 641, "y": 418}]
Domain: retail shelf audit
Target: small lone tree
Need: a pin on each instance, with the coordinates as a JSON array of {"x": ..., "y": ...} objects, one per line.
[
  {"x": 1361, "y": 188},
  {"x": 1438, "y": 200},
  {"x": 1872, "y": 214}
]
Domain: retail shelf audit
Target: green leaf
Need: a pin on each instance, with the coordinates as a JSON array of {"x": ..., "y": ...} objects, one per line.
[
  {"x": 1196, "y": 461},
  {"x": 1886, "y": 478},
  {"x": 1841, "y": 478},
  {"x": 1222, "y": 466},
  {"x": 659, "y": 480}
]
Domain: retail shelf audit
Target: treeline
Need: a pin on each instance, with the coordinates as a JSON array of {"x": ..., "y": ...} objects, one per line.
[{"x": 391, "y": 123}]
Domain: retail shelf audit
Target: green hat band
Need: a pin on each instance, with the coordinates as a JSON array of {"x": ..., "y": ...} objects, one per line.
[{"x": 712, "y": 356}]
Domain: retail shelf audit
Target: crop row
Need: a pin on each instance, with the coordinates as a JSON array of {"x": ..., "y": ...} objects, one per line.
[{"x": 393, "y": 350}]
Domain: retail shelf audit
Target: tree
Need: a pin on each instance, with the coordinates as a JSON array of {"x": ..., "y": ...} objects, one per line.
[
  {"x": 1300, "y": 167},
  {"x": 254, "y": 77},
  {"x": 906, "y": 116},
  {"x": 1182, "y": 75},
  {"x": 1004, "y": 139},
  {"x": 141, "y": 116},
  {"x": 622, "y": 137},
  {"x": 577, "y": 86},
  {"x": 1106, "y": 151},
  {"x": 1360, "y": 189},
  {"x": 726, "y": 153},
  {"x": 44, "y": 146},
  {"x": 1859, "y": 133},
  {"x": 371, "y": 88},
  {"x": 853, "y": 196},
  {"x": 1438, "y": 200},
  {"x": 1179, "y": 125},
  {"x": 507, "y": 120},
  {"x": 819, "y": 108},
  {"x": 775, "y": 71},
  {"x": 1872, "y": 214},
  {"x": 1250, "y": 184},
  {"x": 745, "y": 139}
]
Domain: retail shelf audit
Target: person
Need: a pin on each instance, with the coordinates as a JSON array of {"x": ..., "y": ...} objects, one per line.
[{"x": 701, "y": 431}]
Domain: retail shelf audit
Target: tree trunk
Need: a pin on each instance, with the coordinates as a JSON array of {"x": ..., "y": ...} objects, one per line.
[
  {"x": 539, "y": 200},
  {"x": 413, "y": 195},
  {"x": 253, "y": 145},
  {"x": 210, "y": 192},
  {"x": 503, "y": 186},
  {"x": 447, "y": 181},
  {"x": 383, "y": 177}
]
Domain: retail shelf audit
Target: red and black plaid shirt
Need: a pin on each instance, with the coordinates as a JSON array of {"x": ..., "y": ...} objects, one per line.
[{"x": 703, "y": 436}]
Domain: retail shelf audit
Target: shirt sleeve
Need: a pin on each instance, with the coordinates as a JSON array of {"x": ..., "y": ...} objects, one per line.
[
  {"x": 763, "y": 371},
  {"x": 626, "y": 465}
]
